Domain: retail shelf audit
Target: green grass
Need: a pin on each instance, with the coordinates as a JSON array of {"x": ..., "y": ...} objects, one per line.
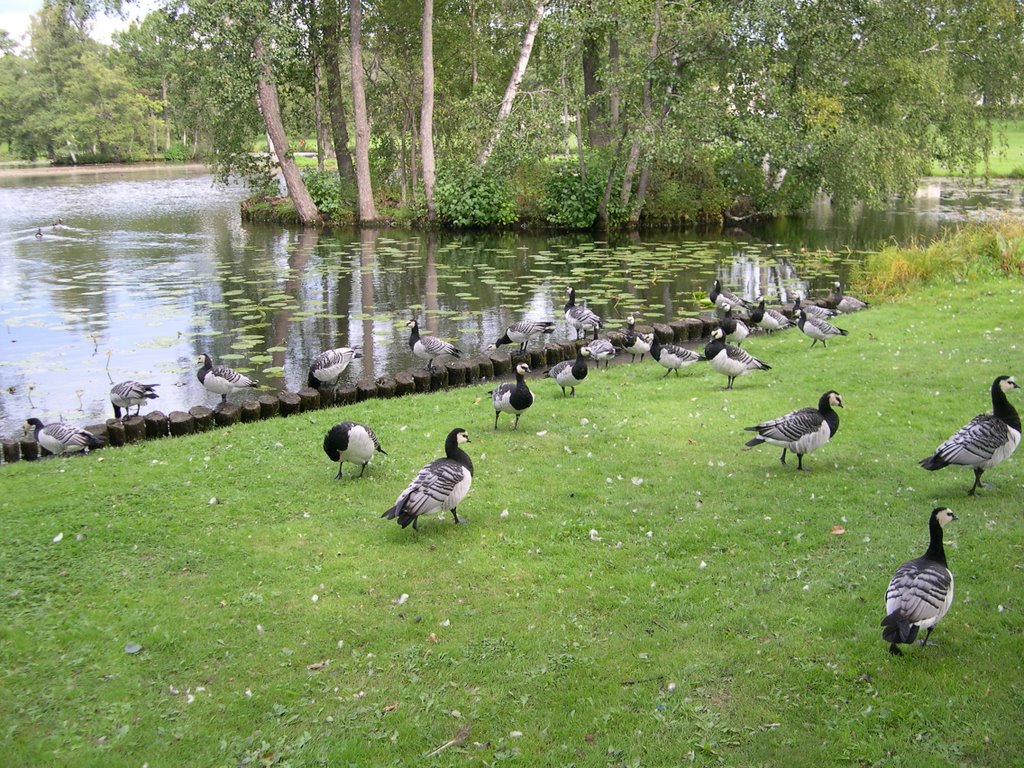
[
  {"x": 717, "y": 620},
  {"x": 1006, "y": 157}
]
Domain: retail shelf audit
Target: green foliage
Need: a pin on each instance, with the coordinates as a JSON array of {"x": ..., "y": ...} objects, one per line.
[
  {"x": 332, "y": 198},
  {"x": 473, "y": 198},
  {"x": 689, "y": 191},
  {"x": 569, "y": 200},
  {"x": 176, "y": 153}
]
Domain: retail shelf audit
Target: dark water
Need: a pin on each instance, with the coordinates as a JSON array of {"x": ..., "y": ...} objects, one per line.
[{"x": 149, "y": 268}]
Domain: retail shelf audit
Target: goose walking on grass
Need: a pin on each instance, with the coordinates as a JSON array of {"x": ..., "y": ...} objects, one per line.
[
  {"x": 672, "y": 357},
  {"x": 441, "y": 484},
  {"x": 327, "y": 367},
  {"x": 429, "y": 347},
  {"x": 570, "y": 373},
  {"x": 601, "y": 350},
  {"x": 986, "y": 440},
  {"x": 59, "y": 437},
  {"x": 523, "y": 332},
  {"x": 352, "y": 442},
  {"x": 131, "y": 393},
  {"x": 818, "y": 329},
  {"x": 221, "y": 380},
  {"x": 812, "y": 310},
  {"x": 735, "y": 329},
  {"x": 846, "y": 303},
  {"x": 580, "y": 319},
  {"x": 802, "y": 431},
  {"x": 724, "y": 299},
  {"x": 635, "y": 343},
  {"x": 921, "y": 590},
  {"x": 729, "y": 360},
  {"x": 769, "y": 319},
  {"x": 512, "y": 398}
]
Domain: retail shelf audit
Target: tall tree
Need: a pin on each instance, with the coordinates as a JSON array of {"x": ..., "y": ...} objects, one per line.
[
  {"x": 271, "y": 109},
  {"x": 366, "y": 207},
  {"x": 427, "y": 111}
]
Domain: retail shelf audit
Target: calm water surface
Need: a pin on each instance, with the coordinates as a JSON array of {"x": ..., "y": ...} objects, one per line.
[{"x": 149, "y": 268}]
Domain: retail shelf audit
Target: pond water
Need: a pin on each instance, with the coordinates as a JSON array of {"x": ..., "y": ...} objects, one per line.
[{"x": 148, "y": 268}]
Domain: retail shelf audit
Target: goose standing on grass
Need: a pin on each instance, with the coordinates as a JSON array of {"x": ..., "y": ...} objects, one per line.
[
  {"x": 569, "y": 373},
  {"x": 442, "y": 484},
  {"x": 724, "y": 299},
  {"x": 523, "y": 332},
  {"x": 729, "y": 360},
  {"x": 635, "y": 343},
  {"x": 327, "y": 367},
  {"x": 429, "y": 347},
  {"x": 353, "y": 442},
  {"x": 580, "y": 319},
  {"x": 769, "y": 319},
  {"x": 818, "y": 329},
  {"x": 845, "y": 303},
  {"x": 986, "y": 440},
  {"x": 601, "y": 349},
  {"x": 129, "y": 393},
  {"x": 222, "y": 380},
  {"x": 812, "y": 310},
  {"x": 60, "y": 438},
  {"x": 512, "y": 398},
  {"x": 921, "y": 590},
  {"x": 735, "y": 329},
  {"x": 672, "y": 357},
  {"x": 802, "y": 431}
]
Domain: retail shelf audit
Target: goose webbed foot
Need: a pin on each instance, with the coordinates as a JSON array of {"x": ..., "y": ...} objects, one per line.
[{"x": 895, "y": 649}]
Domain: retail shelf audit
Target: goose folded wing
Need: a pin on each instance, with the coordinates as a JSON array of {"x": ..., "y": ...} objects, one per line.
[
  {"x": 976, "y": 441},
  {"x": 431, "y": 487},
  {"x": 737, "y": 354},
  {"x": 917, "y": 594},
  {"x": 792, "y": 426}
]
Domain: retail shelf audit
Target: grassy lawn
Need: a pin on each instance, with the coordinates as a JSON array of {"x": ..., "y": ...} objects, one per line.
[
  {"x": 633, "y": 587},
  {"x": 1007, "y": 156}
]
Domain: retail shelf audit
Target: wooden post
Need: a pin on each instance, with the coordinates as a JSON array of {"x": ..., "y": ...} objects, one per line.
[
  {"x": 227, "y": 414},
  {"x": 405, "y": 384},
  {"x": 250, "y": 411},
  {"x": 12, "y": 451},
  {"x": 203, "y": 417},
  {"x": 309, "y": 399},
  {"x": 288, "y": 403},
  {"x": 156, "y": 425},
  {"x": 116, "y": 436},
  {"x": 134, "y": 429},
  {"x": 180, "y": 423}
]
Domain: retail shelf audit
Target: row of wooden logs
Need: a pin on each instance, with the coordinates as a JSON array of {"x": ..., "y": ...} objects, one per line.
[{"x": 456, "y": 373}]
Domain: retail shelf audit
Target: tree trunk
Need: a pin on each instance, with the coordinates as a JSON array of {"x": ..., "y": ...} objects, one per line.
[
  {"x": 613, "y": 92},
  {"x": 514, "y": 82},
  {"x": 335, "y": 92},
  {"x": 366, "y": 208},
  {"x": 318, "y": 113},
  {"x": 597, "y": 130},
  {"x": 647, "y": 108},
  {"x": 427, "y": 110},
  {"x": 271, "y": 109},
  {"x": 166, "y": 116}
]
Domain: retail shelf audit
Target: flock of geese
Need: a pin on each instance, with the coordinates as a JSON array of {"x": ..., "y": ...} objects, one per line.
[{"x": 920, "y": 592}]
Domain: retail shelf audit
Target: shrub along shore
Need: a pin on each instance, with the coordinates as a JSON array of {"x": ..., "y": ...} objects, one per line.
[{"x": 632, "y": 587}]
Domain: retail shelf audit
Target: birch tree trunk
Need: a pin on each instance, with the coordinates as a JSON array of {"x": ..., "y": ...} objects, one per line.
[
  {"x": 516, "y": 80},
  {"x": 427, "y": 110},
  {"x": 271, "y": 109},
  {"x": 367, "y": 209}
]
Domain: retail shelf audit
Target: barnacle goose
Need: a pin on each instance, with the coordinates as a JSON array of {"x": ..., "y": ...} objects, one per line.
[
  {"x": 569, "y": 373},
  {"x": 846, "y": 303},
  {"x": 734, "y": 328},
  {"x": 351, "y": 441},
  {"x": 220, "y": 379},
  {"x": 59, "y": 437},
  {"x": 441, "y": 484},
  {"x": 635, "y": 343},
  {"x": 921, "y": 590},
  {"x": 601, "y": 349},
  {"x": 672, "y": 357},
  {"x": 723, "y": 298},
  {"x": 986, "y": 440},
  {"x": 129, "y": 393},
  {"x": 327, "y": 367},
  {"x": 813, "y": 310},
  {"x": 818, "y": 329},
  {"x": 729, "y": 360},
  {"x": 802, "y": 431},
  {"x": 429, "y": 347},
  {"x": 769, "y": 319},
  {"x": 512, "y": 398},
  {"x": 524, "y": 331},
  {"x": 580, "y": 319}
]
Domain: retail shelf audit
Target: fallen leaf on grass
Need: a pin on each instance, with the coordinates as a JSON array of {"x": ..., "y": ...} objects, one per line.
[
  {"x": 431, "y": 638},
  {"x": 318, "y": 665},
  {"x": 838, "y": 530},
  {"x": 390, "y": 707}
]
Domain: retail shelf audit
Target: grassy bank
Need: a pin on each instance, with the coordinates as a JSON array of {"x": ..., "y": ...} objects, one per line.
[{"x": 655, "y": 594}]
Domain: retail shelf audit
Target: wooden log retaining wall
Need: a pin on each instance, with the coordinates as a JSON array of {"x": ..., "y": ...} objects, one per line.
[{"x": 457, "y": 373}]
